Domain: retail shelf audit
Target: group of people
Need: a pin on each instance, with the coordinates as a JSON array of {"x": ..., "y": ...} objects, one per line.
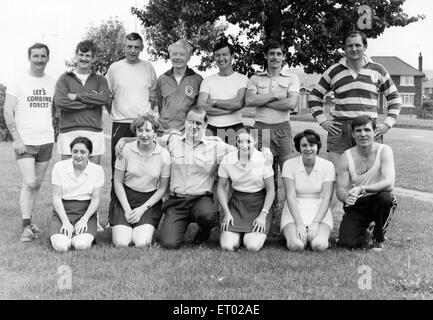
[{"x": 195, "y": 161}]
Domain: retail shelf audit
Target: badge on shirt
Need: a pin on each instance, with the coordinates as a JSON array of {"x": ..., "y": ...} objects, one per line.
[{"x": 189, "y": 91}]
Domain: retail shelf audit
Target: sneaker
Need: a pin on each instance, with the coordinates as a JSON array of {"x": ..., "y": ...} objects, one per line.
[
  {"x": 201, "y": 237},
  {"x": 367, "y": 239},
  {"x": 377, "y": 246},
  {"x": 99, "y": 228},
  {"x": 36, "y": 231},
  {"x": 27, "y": 234}
]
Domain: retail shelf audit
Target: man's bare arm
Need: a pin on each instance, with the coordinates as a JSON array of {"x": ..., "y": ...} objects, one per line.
[
  {"x": 285, "y": 104},
  {"x": 203, "y": 103},
  {"x": 343, "y": 179},
  {"x": 234, "y": 104},
  {"x": 9, "y": 115}
]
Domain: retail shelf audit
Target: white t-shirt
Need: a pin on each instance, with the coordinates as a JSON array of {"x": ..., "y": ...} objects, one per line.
[
  {"x": 74, "y": 188},
  {"x": 82, "y": 76},
  {"x": 33, "y": 113},
  {"x": 224, "y": 88},
  {"x": 132, "y": 85}
]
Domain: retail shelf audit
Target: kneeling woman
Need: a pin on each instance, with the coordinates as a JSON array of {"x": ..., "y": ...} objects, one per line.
[
  {"x": 247, "y": 213},
  {"x": 141, "y": 179},
  {"x": 77, "y": 185},
  {"x": 309, "y": 183}
]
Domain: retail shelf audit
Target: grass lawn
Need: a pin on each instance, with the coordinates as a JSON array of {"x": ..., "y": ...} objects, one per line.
[{"x": 29, "y": 270}]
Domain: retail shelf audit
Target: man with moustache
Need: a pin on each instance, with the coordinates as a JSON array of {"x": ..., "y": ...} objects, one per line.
[
  {"x": 28, "y": 116},
  {"x": 222, "y": 95},
  {"x": 177, "y": 89}
]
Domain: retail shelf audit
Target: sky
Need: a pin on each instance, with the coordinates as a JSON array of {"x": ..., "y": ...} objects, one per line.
[{"x": 61, "y": 24}]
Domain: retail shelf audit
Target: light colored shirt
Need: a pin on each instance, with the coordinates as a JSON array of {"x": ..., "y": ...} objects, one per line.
[
  {"x": 133, "y": 87},
  {"x": 263, "y": 83},
  {"x": 249, "y": 178},
  {"x": 193, "y": 168},
  {"x": 323, "y": 171},
  {"x": 142, "y": 173},
  {"x": 33, "y": 112},
  {"x": 77, "y": 188},
  {"x": 224, "y": 88}
]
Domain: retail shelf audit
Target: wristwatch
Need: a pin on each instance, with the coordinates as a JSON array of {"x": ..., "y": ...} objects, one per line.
[{"x": 214, "y": 101}]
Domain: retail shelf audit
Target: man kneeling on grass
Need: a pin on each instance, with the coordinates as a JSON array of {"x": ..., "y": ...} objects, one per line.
[{"x": 365, "y": 182}]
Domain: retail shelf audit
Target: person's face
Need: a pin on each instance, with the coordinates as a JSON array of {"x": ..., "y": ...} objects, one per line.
[
  {"x": 179, "y": 57},
  {"x": 354, "y": 48},
  {"x": 84, "y": 60},
  {"x": 132, "y": 50},
  {"x": 80, "y": 154},
  {"x": 245, "y": 142},
  {"x": 223, "y": 58},
  {"x": 275, "y": 58},
  {"x": 308, "y": 149},
  {"x": 145, "y": 134},
  {"x": 38, "y": 59},
  {"x": 364, "y": 135},
  {"x": 195, "y": 126}
]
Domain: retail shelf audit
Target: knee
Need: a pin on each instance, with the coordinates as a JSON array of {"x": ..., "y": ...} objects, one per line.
[
  {"x": 295, "y": 245},
  {"x": 81, "y": 244},
  {"x": 170, "y": 243},
  {"x": 31, "y": 185},
  {"x": 228, "y": 246},
  {"x": 253, "y": 246},
  {"x": 207, "y": 217},
  {"x": 142, "y": 243},
  {"x": 120, "y": 242},
  {"x": 60, "y": 245},
  {"x": 385, "y": 197},
  {"x": 317, "y": 245}
]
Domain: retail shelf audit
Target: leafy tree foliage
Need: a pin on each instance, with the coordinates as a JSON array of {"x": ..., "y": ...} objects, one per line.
[
  {"x": 313, "y": 29},
  {"x": 4, "y": 132}
]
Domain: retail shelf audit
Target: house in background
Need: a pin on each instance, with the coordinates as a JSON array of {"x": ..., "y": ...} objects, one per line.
[{"x": 408, "y": 80}]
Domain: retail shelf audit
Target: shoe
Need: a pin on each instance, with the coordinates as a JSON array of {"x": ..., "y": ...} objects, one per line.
[
  {"x": 377, "y": 246},
  {"x": 201, "y": 237},
  {"x": 99, "y": 228},
  {"x": 27, "y": 234},
  {"x": 367, "y": 239},
  {"x": 107, "y": 226},
  {"x": 36, "y": 231}
]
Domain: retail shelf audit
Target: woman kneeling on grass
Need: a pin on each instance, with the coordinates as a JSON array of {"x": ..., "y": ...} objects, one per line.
[
  {"x": 77, "y": 185},
  {"x": 247, "y": 213},
  {"x": 309, "y": 183},
  {"x": 140, "y": 181}
]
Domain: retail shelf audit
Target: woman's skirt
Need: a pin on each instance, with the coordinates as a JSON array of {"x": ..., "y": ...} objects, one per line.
[
  {"x": 245, "y": 207},
  {"x": 151, "y": 216},
  {"x": 308, "y": 209},
  {"x": 75, "y": 209}
]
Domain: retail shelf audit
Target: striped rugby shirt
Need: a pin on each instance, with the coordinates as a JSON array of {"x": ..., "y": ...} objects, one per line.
[{"x": 355, "y": 95}]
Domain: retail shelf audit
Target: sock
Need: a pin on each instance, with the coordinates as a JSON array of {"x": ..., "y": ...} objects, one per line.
[{"x": 27, "y": 222}]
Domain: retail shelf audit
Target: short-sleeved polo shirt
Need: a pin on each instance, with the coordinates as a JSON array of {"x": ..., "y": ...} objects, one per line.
[
  {"x": 73, "y": 187},
  {"x": 323, "y": 171},
  {"x": 194, "y": 167},
  {"x": 249, "y": 178},
  {"x": 142, "y": 173},
  {"x": 263, "y": 83}
]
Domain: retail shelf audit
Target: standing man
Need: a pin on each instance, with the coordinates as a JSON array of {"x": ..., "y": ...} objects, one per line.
[
  {"x": 177, "y": 89},
  {"x": 222, "y": 95},
  {"x": 274, "y": 92},
  {"x": 365, "y": 182},
  {"x": 356, "y": 82},
  {"x": 132, "y": 83},
  {"x": 28, "y": 115}
]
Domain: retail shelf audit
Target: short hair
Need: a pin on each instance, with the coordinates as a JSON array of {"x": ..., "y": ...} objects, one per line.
[
  {"x": 141, "y": 120},
  {"x": 38, "y": 45},
  {"x": 312, "y": 137},
  {"x": 362, "y": 121},
  {"x": 275, "y": 44},
  {"x": 198, "y": 110},
  {"x": 133, "y": 36},
  {"x": 86, "y": 46},
  {"x": 83, "y": 140},
  {"x": 355, "y": 33},
  {"x": 222, "y": 43},
  {"x": 183, "y": 44},
  {"x": 247, "y": 129}
]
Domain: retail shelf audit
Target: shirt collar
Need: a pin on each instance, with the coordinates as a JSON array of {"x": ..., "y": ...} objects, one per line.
[
  {"x": 301, "y": 166},
  {"x": 366, "y": 59},
  {"x": 253, "y": 158},
  {"x": 283, "y": 72},
  {"x": 203, "y": 139},
  {"x": 134, "y": 148},
  {"x": 188, "y": 72},
  {"x": 70, "y": 167}
]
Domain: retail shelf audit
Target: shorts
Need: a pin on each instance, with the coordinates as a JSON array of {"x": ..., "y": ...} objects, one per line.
[
  {"x": 277, "y": 137},
  {"x": 342, "y": 141},
  {"x": 41, "y": 153},
  {"x": 227, "y": 134},
  {"x": 65, "y": 138}
]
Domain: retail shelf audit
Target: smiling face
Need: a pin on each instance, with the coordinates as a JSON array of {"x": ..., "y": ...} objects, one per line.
[
  {"x": 80, "y": 154},
  {"x": 308, "y": 150},
  {"x": 354, "y": 48},
  {"x": 145, "y": 134},
  {"x": 223, "y": 58},
  {"x": 275, "y": 58},
  {"x": 132, "y": 49},
  {"x": 245, "y": 142},
  {"x": 38, "y": 60},
  {"x": 84, "y": 61},
  {"x": 178, "y": 57},
  {"x": 364, "y": 135}
]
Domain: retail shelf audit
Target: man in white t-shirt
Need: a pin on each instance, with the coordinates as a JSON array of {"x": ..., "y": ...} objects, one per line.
[
  {"x": 28, "y": 115},
  {"x": 222, "y": 95}
]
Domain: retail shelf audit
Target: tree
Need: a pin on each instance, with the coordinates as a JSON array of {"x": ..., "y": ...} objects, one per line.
[
  {"x": 4, "y": 132},
  {"x": 108, "y": 37},
  {"x": 313, "y": 29}
]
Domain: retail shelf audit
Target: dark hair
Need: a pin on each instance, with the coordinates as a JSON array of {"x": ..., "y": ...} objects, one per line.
[
  {"x": 362, "y": 121},
  {"x": 38, "y": 45},
  {"x": 222, "y": 43},
  {"x": 86, "y": 46},
  {"x": 355, "y": 33},
  {"x": 141, "y": 120},
  {"x": 199, "y": 110},
  {"x": 312, "y": 137},
  {"x": 247, "y": 129},
  {"x": 133, "y": 36},
  {"x": 274, "y": 44},
  {"x": 83, "y": 140}
]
